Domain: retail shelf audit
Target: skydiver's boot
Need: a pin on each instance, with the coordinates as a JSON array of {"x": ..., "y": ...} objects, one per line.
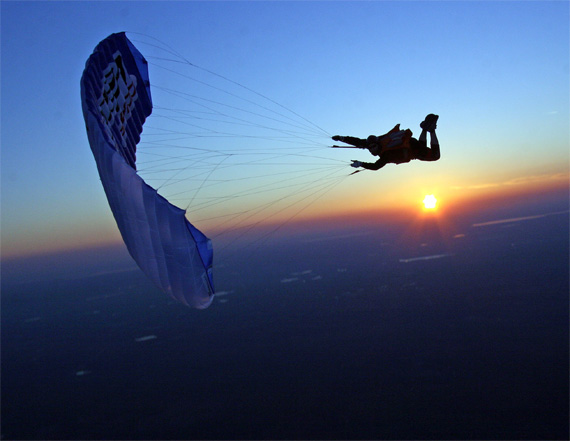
[{"x": 430, "y": 123}]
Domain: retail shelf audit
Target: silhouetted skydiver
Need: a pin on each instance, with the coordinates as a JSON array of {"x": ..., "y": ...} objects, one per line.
[{"x": 397, "y": 146}]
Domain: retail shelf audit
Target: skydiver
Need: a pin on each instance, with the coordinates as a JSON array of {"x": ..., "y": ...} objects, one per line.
[{"x": 397, "y": 146}]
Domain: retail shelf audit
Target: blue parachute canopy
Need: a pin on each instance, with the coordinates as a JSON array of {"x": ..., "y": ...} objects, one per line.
[{"x": 115, "y": 97}]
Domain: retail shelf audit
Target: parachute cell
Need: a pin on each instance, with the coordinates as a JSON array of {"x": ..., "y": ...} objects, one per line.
[{"x": 116, "y": 100}]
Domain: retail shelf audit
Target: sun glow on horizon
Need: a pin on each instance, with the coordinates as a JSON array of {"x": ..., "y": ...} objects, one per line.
[{"x": 430, "y": 202}]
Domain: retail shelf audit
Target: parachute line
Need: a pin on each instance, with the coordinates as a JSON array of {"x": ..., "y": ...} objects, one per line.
[
  {"x": 233, "y": 157},
  {"x": 170, "y": 50}
]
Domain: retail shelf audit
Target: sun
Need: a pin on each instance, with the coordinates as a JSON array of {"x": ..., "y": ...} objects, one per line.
[{"x": 430, "y": 202}]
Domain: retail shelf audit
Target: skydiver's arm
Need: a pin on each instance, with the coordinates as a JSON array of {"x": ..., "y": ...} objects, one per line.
[
  {"x": 356, "y": 142},
  {"x": 374, "y": 166}
]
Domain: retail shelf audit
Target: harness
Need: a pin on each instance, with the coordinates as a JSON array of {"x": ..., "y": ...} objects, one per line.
[{"x": 395, "y": 139}]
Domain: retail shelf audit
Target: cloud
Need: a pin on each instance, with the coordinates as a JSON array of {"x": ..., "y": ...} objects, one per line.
[
  {"x": 145, "y": 338},
  {"x": 524, "y": 180},
  {"x": 434, "y": 256},
  {"x": 517, "y": 219}
]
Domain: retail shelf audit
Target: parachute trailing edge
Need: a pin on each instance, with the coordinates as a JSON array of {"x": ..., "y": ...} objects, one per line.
[{"x": 116, "y": 100}]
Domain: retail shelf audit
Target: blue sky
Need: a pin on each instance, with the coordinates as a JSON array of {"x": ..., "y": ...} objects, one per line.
[{"x": 496, "y": 72}]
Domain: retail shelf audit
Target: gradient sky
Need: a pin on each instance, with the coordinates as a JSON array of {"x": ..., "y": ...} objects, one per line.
[{"x": 497, "y": 73}]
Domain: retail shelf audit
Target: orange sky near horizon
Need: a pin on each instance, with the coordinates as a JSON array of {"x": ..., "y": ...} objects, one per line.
[
  {"x": 450, "y": 198},
  {"x": 451, "y": 202}
]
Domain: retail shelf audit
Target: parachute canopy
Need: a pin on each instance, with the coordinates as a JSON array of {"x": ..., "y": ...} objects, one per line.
[{"x": 116, "y": 100}]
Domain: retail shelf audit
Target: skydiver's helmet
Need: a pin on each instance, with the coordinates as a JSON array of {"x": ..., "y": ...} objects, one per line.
[{"x": 374, "y": 144}]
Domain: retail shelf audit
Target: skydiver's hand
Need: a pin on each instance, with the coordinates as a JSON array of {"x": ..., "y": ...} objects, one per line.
[
  {"x": 356, "y": 163},
  {"x": 337, "y": 138}
]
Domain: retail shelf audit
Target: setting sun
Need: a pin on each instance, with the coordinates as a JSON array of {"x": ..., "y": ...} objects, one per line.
[{"x": 430, "y": 202}]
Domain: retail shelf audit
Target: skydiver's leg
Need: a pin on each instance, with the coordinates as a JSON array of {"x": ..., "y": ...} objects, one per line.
[
  {"x": 356, "y": 142},
  {"x": 433, "y": 140},
  {"x": 423, "y": 153},
  {"x": 429, "y": 125},
  {"x": 434, "y": 146},
  {"x": 423, "y": 138}
]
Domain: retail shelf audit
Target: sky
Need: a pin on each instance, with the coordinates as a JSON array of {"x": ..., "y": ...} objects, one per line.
[{"x": 497, "y": 73}]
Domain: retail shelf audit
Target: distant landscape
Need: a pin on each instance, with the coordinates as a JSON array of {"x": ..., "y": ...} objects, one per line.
[{"x": 354, "y": 331}]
